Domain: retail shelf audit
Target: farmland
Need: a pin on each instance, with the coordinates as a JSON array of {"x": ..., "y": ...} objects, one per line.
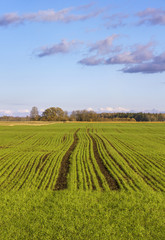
[
  {"x": 83, "y": 156},
  {"x": 86, "y": 163}
]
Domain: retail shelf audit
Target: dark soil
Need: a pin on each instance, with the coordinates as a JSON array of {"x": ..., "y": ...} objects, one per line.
[
  {"x": 61, "y": 182},
  {"x": 113, "y": 184}
]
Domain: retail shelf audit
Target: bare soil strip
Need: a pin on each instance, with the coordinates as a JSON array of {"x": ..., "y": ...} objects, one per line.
[
  {"x": 113, "y": 185},
  {"x": 61, "y": 182}
]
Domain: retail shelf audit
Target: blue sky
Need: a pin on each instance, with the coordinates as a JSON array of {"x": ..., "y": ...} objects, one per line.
[{"x": 100, "y": 55}]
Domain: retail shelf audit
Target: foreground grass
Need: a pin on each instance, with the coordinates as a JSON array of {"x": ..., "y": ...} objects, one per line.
[{"x": 82, "y": 215}]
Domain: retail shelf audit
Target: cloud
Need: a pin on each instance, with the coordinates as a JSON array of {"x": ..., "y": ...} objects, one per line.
[
  {"x": 138, "y": 59},
  {"x": 145, "y": 68},
  {"x": 24, "y": 111},
  {"x": 117, "y": 109},
  {"x": 152, "y": 16},
  {"x": 91, "y": 61},
  {"x": 157, "y": 65},
  {"x": 116, "y": 20},
  {"x": 65, "y": 15},
  {"x": 10, "y": 18},
  {"x": 63, "y": 47},
  {"x": 135, "y": 54},
  {"x": 104, "y": 46},
  {"x": 5, "y": 112},
  {"x": 89, "y": 109},
  {"x": 139, "y": 54},
  {"x": 87, "y": 6}
]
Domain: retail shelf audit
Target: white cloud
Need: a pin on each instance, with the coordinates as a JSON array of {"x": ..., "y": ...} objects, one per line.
[
  {"x": 8, "y": 112},
  {"x": 117, "y": 109},
  {"x": 23, "y": 111},
  {"x": 90, "y": 109}
]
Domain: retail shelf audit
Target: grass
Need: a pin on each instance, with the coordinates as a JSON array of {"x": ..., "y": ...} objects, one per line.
[{"x": 82, "y": 215}]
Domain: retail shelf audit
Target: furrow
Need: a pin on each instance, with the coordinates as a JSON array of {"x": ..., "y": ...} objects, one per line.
[
  {"x": 61, "y": 182},
  {"x": 113, "y": 185}
]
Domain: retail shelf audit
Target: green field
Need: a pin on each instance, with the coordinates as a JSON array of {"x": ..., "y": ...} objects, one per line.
[{"x": 83, "y": 181}]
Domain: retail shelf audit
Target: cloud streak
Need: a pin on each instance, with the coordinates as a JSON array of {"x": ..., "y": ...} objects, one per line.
[
  {"x": 112, "y": 110},
  {"x": 152, "y": 16},
  {"x": 91, "y": 61},
  {"x": 66, "y": 15},
  {"x": 116, "y": 20},
  {"x": 63, "y": 47},
  {"x": 104, "y": 46},
  {"x": 140, "y": 54}
]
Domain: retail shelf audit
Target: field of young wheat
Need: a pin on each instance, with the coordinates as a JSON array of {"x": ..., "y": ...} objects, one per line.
[
  {"x": 83, "y": 156},
  {"x": 121, "y": 162}
]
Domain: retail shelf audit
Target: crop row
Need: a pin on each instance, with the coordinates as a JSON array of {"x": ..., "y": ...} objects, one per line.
[{"x": 82, "y": 157}]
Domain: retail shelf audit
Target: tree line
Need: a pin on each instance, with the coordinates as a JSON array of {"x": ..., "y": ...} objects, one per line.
[{"x": 57, "y": 114}]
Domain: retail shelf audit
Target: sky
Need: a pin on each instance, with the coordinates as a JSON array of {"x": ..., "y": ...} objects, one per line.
[{"x": 101, "y": 55}]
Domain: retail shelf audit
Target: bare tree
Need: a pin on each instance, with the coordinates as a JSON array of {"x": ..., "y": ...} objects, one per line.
[{"x": 34, "y": 114}]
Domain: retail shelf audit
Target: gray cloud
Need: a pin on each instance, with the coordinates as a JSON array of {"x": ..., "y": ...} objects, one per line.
[
  {"x": 10, "y": 18},
  {"x": 65, "y": 15},
  {"x": 145, "y": 68},
  {"x": 152, "y": 16},
  {"x": 63, "y": 47},
  {"x": 160, "y": 58},
  {"x": 157, "y": 65}
]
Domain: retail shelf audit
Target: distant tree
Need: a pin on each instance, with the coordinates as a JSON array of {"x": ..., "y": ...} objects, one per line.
[
  {"x": 84, "y": 115},
  {"x": 34, "y": 114},
  {"x": 54, "y": 114}
]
